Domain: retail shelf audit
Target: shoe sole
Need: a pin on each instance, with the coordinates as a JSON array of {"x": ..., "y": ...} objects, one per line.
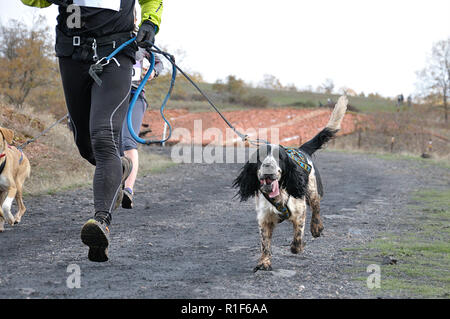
[
  {"x": 127, "y": 202},
  {"x": 94, "y": 237}
]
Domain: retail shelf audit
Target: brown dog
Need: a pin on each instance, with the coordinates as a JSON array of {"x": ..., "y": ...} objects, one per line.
[{"x": 14, "y": 169}]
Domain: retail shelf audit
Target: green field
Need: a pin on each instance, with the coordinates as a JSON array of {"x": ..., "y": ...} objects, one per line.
[{"x": 277, "y": 98}]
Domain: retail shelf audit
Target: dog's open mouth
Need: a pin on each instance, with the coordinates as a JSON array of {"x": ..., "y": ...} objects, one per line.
[{"x": 270, "y": 186}]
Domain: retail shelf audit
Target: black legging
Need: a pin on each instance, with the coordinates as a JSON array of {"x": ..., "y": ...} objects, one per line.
[{"x": 97, "y": 114}]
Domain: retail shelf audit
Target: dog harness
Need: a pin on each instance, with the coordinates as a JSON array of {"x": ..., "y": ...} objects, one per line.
[
  {"x": 299, "y": 158},
  {"x": 283, "y": 210},
  {"x": 21, "y": 153}
]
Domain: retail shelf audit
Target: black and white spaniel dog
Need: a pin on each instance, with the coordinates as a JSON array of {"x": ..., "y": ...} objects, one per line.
[{"x": 285, "y": 180}]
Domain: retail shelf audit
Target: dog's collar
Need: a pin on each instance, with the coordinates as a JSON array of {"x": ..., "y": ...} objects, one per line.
[
  {"x": 283, "y": 210},
  {"x": 20, "y": 159},
  {"x": 2, "y": 165}
]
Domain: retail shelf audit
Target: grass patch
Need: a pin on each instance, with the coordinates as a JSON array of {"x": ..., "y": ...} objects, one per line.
[
  {"x": 445, "y": 163},
  {"x": 405, "y": 287},
  {"x": 48, "y": 180},
  {"x": 423, "y": 255},
  {"x": 152, "y": 163},
  {"x": 437, "y": 201},
  {"x": 389, "y": 156}
]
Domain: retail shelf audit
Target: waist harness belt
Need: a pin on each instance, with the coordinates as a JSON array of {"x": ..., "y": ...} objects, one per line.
[{"x": 88, "y": 49}]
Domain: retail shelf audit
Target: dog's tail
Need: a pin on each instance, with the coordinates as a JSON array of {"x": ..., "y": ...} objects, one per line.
[{"x": 333, "y": 126}]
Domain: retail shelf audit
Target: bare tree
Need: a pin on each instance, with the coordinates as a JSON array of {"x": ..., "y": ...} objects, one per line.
[
  {"x": 26, "y": 59},
  {"x": 271, "y": 82},
  {"x": 435, "y": 77},
  {"x": 328, "y": 86}
]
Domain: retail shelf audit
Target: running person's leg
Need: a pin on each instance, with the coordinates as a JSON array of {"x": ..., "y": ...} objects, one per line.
[
  {"x": 77, "y": 85},
  {"x": 109, "y": 104},
  {"x": 130, "y": 149},
  {"x": 108, "y": 109},
  {"x": 97, "y": 115}
]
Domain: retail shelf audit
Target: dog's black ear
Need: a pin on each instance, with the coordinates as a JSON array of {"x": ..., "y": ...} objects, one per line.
[
  {"x": 294, "y": 179},
  {"x": 247, "y": 181}
]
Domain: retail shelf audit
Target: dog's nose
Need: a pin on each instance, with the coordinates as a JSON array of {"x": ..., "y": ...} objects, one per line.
[{"x": 269, "y": 176}]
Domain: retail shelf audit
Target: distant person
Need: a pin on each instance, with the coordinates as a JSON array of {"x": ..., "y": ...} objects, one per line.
[
  {"x": 129, "y": 145},
  {"x": 409, "y": 101},
  {"x": 400, "y": 100},
  {"x": 330, "y": 102}
]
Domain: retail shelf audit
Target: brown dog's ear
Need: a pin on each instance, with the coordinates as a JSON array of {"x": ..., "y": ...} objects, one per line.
[{"x": 7, "y": 134}]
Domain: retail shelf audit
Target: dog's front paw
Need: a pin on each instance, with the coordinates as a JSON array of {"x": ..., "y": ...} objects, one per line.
[
  {"x": 297, "y": 248},
  {"x": 265, "y": 267},
  {"x": 17, "y": 220},
  {"x": 10, "y": 219},
  {"x": 316, "y": 227}
]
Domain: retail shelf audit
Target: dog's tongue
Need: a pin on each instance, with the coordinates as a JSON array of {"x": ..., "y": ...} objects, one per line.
[{"x": 275, "y": 189}]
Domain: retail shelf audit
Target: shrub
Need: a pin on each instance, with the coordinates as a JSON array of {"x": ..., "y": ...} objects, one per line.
[{"x": 257, "y": 100}]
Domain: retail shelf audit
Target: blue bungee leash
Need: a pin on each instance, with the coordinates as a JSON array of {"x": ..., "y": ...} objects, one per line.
[
  {"x": 97, "y": 68},
  {"x": 163, "y": 105}
]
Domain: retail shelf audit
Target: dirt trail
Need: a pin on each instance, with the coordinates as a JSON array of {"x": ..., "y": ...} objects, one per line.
[{"x": 188, "y": 237}]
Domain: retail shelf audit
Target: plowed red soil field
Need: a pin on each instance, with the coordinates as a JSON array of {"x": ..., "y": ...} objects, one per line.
[{"x": 287, "y": 126}]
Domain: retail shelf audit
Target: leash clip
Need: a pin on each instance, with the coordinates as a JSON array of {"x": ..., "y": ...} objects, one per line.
[
  {"x": 94, "y": 48},
  {"x": 107, "y": 61},
  {"x": 96, "y": 69}
]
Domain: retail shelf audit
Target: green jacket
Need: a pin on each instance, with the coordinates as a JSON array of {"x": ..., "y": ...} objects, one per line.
[{"x": 151, "y": 9}]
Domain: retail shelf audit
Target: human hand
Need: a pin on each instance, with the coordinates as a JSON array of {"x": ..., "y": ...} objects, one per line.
[{"x": 146, "y": 35}]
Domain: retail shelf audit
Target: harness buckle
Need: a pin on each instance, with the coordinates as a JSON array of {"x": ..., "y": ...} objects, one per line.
[{"x": 76, "y": 41}]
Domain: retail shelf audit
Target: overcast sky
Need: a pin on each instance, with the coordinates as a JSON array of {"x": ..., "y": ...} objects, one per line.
[{"x": 370, "y": 46}]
